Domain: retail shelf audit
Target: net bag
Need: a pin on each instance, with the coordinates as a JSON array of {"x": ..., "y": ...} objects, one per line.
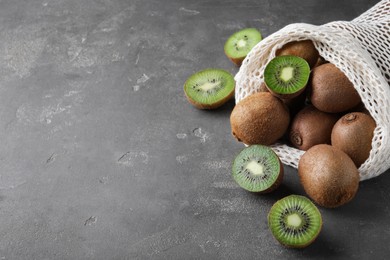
[{"x": 361, "y": 49}]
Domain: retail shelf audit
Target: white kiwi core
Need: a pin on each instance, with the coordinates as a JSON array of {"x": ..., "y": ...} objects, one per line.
[
  {"x": 255, "y": 168},
  {"x": 207, "y": 86},
  {"x": 287, "y": 73},
  {"x": 294, "y": 220}
]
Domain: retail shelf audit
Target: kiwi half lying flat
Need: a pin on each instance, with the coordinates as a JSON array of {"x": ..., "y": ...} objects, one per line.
[
  {"x": 257, "y": 169},
  {"x": 209, "y": 88},
  {"x": 286, "y": 76},
  {"x": 239, "y": 44},
  {"x": 295, "y": 221}
]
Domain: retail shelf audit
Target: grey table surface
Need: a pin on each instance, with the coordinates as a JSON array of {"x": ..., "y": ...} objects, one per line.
[{"x": 102, "y": 157}]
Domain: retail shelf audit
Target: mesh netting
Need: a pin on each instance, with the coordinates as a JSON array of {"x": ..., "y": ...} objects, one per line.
[{"x": 361, "y": 49}]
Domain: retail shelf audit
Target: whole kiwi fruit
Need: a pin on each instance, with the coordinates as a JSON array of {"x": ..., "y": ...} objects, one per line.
[
  {"x": 353, "y": 135},
  {"x": 304, "y": 49},
  {"x": 328, "y": 176},
  {"x": 310, "y": 127},
  {"x": 260, "y": 118},
  {"x": 331, "y": 91}
]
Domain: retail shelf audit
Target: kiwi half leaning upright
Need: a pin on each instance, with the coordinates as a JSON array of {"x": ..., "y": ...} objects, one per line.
[
  {"x": 286, "y": 76},
  {"x": 295, "y": 221},
  {"x": 304, "y": 49},
  {"x": 257, "y": 168},
  {"x": 353, "y": 135},
  {"x": 209, "y": 88},
  {"x": 238, "y": 45}
]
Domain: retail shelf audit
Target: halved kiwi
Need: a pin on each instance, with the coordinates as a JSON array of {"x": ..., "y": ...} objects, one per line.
[
  {"x": 295, "y": 221},
  {"x": 286, "y": 76},
  {"x": 257, "y": 168},
  {"x": 209, "y": 88},
  {"x": 238, "y": 45}
]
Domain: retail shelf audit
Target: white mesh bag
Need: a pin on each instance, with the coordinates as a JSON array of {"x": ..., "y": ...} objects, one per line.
[{"x": 361, "y": 49}]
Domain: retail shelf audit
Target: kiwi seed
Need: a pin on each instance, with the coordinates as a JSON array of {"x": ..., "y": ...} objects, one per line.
[
  {"x": 260, "y": 118},
  {"x": 310, "y": 127},
  {"x": 257, "y": 168},
  {"x": 295, "y": 221},
  {"x": 328, "y": 175},
  {"x": 304, "y": 49},
  {"x": 286, "y": 76},
  {"x": 209, "y": 88},
  {"x": 238, "y": 45},
  {"x": 353, "y": 135},
  {"x": 331, "y": 90}
]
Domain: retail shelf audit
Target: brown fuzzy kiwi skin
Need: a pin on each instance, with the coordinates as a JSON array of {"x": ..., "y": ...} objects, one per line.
[
  {"x": 328, "y": 176},
  {"x": 310, "y": 127},
  {"x": 210, "y": 106},
  {"x": 304, "y": 49},
  {"x": 353, "y": 135},
  {"x": 263, "y": 87},
  {"x": 331, "y": 91},
  {"x": 236, "y": 61},
  {"x": 295, "y": 104},
  {"x": 260, "y": 118},
  {"x": 320, "y": 61}
]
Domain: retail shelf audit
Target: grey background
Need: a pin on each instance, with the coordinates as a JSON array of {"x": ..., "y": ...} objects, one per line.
[{"x": 102, "y": 157}]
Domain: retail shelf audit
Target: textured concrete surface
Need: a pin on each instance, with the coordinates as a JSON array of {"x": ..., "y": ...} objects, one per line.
[{"x": 102, "y": 157}]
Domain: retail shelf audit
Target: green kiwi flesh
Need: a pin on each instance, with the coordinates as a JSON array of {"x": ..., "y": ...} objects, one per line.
[
  {"x": 286, "y": 76},
  {"x": 209, "y": 88},
  {"x": 295, "y": 221},
  {"x": 257, "y": 168},
  {"x": 238, "y": 45}
]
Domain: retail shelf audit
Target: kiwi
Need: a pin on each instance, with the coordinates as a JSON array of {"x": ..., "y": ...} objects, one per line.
[
  {"x": 257, "y": 168},
  {"x": 304, "y": 49},
  {"x": 328, "y": 176},
  {"x": 295, "y": 104},
  {"x": 263, "y": 87},
  {"x": 353, "y": 135},
  {"x": 209, "y": 88},
  {"x": 238, "y": 45},
  {"x": 310, "y": 127},
  {"x": 295, "y": 221},
  {"x": 286, "y": 76},
  {"x": 320, "y": 61},
  {"x": 260, "y": 118},
  {"x": 331, "y": 91}
]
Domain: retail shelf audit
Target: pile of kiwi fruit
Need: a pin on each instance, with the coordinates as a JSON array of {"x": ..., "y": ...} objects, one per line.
[{"x": 306, "y": 103}]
